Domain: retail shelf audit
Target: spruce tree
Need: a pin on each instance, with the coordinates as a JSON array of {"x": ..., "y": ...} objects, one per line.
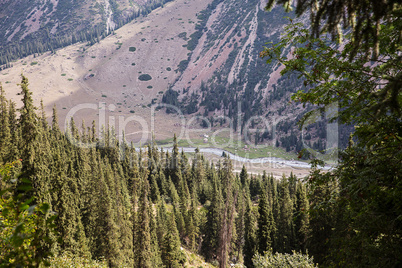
[
  {"x": 5, "y": 132},
  {"x": 142, "y": 248},
  {"x": 214, "y": 221},
  {"x": 28, "y": 123},
  {"x": 266, "y": 223},
  {"x": 240, "y": 226},
  {"x": 192, "y": 223},
  {"x": 285, "y": 220},
  {"x": 302, "y": 218},
  {"x": 156, "y": 257},
  {"x": 174, "y": 167},
  {"x": 228, "y": 216},
  {"x": 250, "y": 234},
  {"x": 243, "y": 175},
  {"x": 171, "y": 252},
  {"x": 14, "y": 131}
]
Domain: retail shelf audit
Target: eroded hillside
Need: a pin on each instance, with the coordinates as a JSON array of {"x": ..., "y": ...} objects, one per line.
[
  {"x": 28, "y": 27},
  {"x": 200, "y": 56}
]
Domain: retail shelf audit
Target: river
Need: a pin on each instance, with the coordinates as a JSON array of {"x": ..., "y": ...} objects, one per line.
[{"x": 271, "y": 160}]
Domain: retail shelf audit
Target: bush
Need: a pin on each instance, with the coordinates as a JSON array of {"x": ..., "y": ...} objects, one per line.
[
  {"x": 144, "y": 77},
  {"x": 66, "y": 261},
  {"x": 293, "y": 260},
  {"x": 183, "y": 65},
  {"x": 25, "y": 226}
]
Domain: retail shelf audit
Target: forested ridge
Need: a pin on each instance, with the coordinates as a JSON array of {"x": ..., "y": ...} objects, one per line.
[
  {"x": 138, "y": 208},
  {"x": 113, "y": 206}
]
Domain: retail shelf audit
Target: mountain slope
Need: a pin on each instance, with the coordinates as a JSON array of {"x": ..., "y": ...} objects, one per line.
[
  {"x": 28, "y": 27},
  {"x": 202, "y": 56}
]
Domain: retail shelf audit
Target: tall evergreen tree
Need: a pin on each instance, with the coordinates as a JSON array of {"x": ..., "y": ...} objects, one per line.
[
  {"x": 285, "y": 221},
  {"x": 214, "y": 221},
  {"x": 171, "y": 253},
  {"x": 142, "y": 248},
  {"x": 228, "y": 215},
  {"x": 302, "y": 228},
  {"x": 5, "y": 132},
  {"x": 28, "y": 123},
  {"x": 156, "y": 257},
  {"x": 250, "y": 234},
  {"x": 266, "y": 223},
  {"x": 243, "y": 175}
]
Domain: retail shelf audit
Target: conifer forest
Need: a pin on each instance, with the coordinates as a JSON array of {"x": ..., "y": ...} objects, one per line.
[{"x": 78, "y": 198}]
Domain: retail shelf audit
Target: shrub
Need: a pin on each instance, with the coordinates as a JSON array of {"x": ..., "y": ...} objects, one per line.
[
  {"x": 286, "y": 260},
  {"x": 144, "y": 77},
  {"x": 67, "y": 260}
]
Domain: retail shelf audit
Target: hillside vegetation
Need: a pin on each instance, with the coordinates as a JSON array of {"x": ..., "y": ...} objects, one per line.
[{"x": 34, "y": 27}]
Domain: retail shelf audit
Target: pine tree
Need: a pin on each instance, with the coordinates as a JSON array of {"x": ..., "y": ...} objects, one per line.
[
  {"x": 250, "y": 234},
  {"x": 122, "y": 209},
  {"x": 214, "y": 221},
  {"x": 302, "y": 218},
  {"x": 227, "y": 224},
  {"x": 156, "y": 257},
  {"x": 240, "y": 226},
  {"x": 154, "y": 194},
  {"x": 192, "y": 223},
  {"x": 285, "y": 220},
  {"x": 142, "y": 248},
  {"x": 162, "y": 219},
  {"x": 243, "y": 175},
  {"x": 5, "y": 132},
  {"x": 174, "y": 167},
  {"x": 171, "y": 252},
  {"x": 28, "y": 123},
  {"x": 14, "y": 131},
  {"x": 266, "y": 223}
]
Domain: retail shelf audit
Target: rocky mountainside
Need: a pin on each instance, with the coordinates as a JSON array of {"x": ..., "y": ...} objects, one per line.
[
  {"x": 224, "y": 76},
  {"x": 201, "y": 56},
  {"x": 225, "y": 80}
]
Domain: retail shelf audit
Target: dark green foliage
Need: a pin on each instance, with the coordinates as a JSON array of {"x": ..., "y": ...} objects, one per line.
[
  {"x": 144, "y": 77},
  {"x": 5, "y": 131},
  {"x": 110, "y": 200},
  {"x": 250, "y": 234},
  {"x": 214, "y": 219},
  {"x": 132, "y": 49},
  {"x": 286, "y": 260},
  {"x": 266, "y": 224},
  {"x": 354, "y": 207},
  {"x": 364, "y": 19},
  {"x": 26, "y": 226},
  {"x": 172, "y": 255},
  {"x": 142, "y": 248},
  {"x": 182, "y": 65}
]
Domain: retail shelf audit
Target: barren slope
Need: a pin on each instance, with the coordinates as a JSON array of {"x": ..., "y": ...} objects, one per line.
[{"x": 108, "y": 71}]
